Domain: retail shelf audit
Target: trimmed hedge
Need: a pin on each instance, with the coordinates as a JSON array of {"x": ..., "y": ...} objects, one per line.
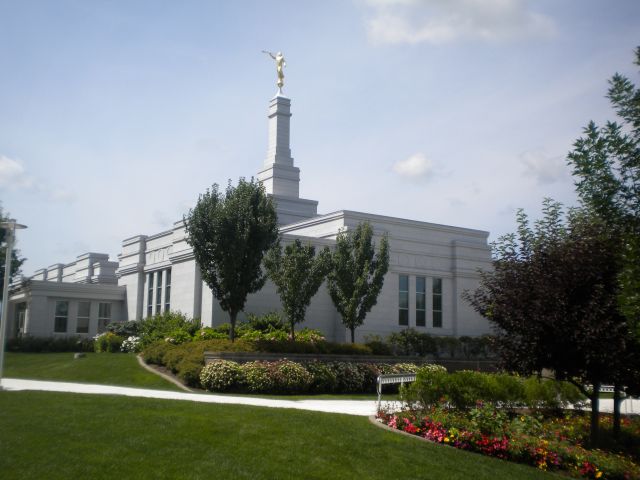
[
  {"x": 464, "y": 389},
  {"x": 287, "y": 377},
  {"x": 51, "y": 344}
]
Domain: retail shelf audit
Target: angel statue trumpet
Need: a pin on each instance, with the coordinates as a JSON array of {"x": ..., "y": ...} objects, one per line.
[{"x": 280, "y": 64}]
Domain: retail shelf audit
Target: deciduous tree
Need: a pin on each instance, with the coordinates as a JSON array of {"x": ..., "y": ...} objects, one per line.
[
  {"x": 297, "y": 275},
  {"x": 552, "y": 296},
  {"x": 357, "y": 274},
  {"x": 16, "y": 259},
  {"x": 229, "y": 234}
]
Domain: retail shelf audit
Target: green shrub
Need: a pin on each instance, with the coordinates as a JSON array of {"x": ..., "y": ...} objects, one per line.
[
  {"x": 258, "y": 377},
  {"x": 323, "y": 378},
  {"x": 188, "y": 370},
  {"x": 290, "y": 377},
  {"x": 377, "y": 345},
  {"x": 155, "y": 352},
  {"x": 506, "y": 389},
  {"x": 27, "y": 343},
  {"x": 208, "y": 333},
  {"x": 309, "y": 335},
  {"x": 108, "y": 342},
  {"x": 125, "y": 329},
  {"x": 369, "y": 372},
  {"x": 178, "y": 336},
  {"x": 430, "y": 387},
  {"x": 541, "y": 393},
  {"x": 167, "y": 325},
  {"x": 266, "y": 323},
  {"x": 222, "y": 376},
  {"x": 350, "y": 377}
]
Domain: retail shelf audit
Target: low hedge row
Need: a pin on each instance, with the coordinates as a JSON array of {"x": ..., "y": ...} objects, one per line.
[
  {"x": 31, "y": 344},
  {"x": 287, "y": 377},
  {"x": 464, "y": 389},
  {"x": 187, "y": 361}
]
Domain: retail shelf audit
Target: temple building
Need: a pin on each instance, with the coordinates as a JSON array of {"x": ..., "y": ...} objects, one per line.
[{"x": 430, "y": 266}]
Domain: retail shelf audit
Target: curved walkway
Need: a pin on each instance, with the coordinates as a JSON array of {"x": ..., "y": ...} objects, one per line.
[{"x": 349, "y": 407}]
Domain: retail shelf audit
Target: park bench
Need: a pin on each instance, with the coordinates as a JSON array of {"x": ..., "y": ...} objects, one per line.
[{"x": 392, "y": 379}]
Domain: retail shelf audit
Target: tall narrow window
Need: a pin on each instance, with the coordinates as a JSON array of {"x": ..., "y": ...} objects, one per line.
[
  {"x": 104, "y": 316},
  {"x": 84, "y": 311},
  {"x": 421, "y": 304},
  {"x": 158, "y": 292},
  {"x": 437, "y": 303},
  {"x": 149, "y": 294},
  {"x": 167, "y": 291},
  {"x": 403, "y": 301},
  {"x": 61, "y": 317}
]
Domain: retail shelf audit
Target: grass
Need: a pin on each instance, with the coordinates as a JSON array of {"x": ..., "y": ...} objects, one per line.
[
  {"x": 120, "y": 369},
  {"x": 59, "y": 435}
]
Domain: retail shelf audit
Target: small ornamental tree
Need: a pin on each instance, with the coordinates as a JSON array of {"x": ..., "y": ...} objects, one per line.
[
  {"x": 552, "y": 298},
  {"x": 357, "y": 274},
  {"x": 16, "y": 261},
  {"x": 606, "y": 169},
  {"x": 230, "y": 234},
  {"x": 297, "y": 276}
]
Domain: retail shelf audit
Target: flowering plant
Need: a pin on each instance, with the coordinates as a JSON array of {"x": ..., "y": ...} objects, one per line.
[{"x": 507, "y": 439}]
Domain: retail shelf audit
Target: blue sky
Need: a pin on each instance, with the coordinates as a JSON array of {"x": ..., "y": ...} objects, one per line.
[{"x": 115, "y": 115}]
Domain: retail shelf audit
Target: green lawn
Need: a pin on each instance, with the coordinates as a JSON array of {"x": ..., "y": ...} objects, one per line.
[
  {"x": 59, "y": 435},
  {"x": 103, "y": 368}
]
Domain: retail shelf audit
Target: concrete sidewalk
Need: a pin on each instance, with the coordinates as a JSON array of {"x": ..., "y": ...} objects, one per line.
[{"x": 348, "y": 407}]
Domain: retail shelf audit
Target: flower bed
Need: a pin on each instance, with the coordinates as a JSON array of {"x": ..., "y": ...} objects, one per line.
[
  {"x": 287, "y": 377},
  {"x": 547, "y": 443}
]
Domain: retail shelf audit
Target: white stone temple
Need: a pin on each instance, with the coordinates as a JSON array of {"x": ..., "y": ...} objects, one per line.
[{"x": 430, "y": 266}]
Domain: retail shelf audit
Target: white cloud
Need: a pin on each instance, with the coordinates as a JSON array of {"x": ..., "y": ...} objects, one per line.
[
  {"x": 544, "y": 169},
  {"x": 440, "y": 21},
  {"x": 13, "y": 174},
  {"x": 416, "y": 166}
]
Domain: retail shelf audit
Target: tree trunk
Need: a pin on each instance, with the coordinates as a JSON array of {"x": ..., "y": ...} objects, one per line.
[
  {"x": 617, "y": 401},
  {"x": 353, "y": 335},
  {"x": 595, "y": 414},
  {"x": 293, "y": 333},
  {"x": 232, "y": 330}
]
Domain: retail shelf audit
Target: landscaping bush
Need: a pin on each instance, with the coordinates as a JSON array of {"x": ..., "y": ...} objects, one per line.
[
  {"x": 463, "y": 389},
  {"x": 29, "y": 344},
  {"x": 131, "y": 345},
  {"x": 222, "y": 376},
  {"x": 172, "y": 325},
  {"x": 108, "y": 342},
  {"x": 208, "y": 333},
  {"x": 125, "y": 329},
  {"x": 258, "y": 377},
  {"x": 377, "y": 345},
  {"x": 290, "y": 377},
  {"x": 540, "y": 393},
  {"x": 324, "y": 379},
  {"x": 266, "y": 323},
  {"x": 155, "y": 352},
  {"x": 350, "y": 378}
]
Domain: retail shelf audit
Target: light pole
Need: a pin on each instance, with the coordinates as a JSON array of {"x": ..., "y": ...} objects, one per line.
[{"x": 10, "y": 226}]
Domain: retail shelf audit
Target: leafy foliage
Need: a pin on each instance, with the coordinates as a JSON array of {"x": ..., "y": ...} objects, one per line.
[
  {"x": 357, "y": 274},
  {"x": 552, "y": 297},
  {"x": 297, "y": 275},
  {"x": 606, "y": 165},
  {"x": 16, "y": 260},
  {"x": 229, "y": 234}
]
